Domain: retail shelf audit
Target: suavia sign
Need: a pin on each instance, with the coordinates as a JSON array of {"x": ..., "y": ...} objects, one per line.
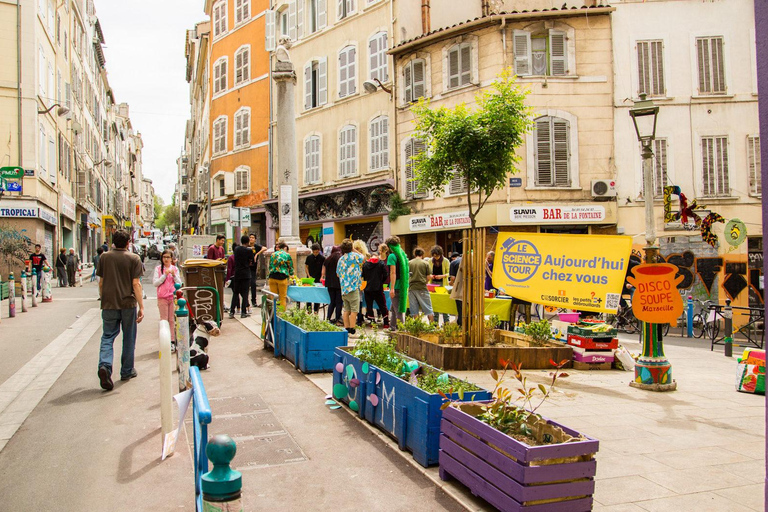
[
  {"x": 454, "y": 220},
  {"x": 557, "y": 214}
]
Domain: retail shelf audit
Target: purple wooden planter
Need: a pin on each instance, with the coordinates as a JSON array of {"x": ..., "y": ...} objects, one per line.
[{"x": 506, "y": 473}]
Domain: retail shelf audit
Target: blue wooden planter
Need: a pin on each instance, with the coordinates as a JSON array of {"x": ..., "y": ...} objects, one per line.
[
  {"x": 405, "y": 412},
  {"x": 308, "y": 351}
]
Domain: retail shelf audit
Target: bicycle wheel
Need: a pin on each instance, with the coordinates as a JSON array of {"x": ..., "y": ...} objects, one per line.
[
  {"x": 699, "y": 325},
  {"x": 712, "y": 329},
  {"x": 632, "y": 324},
  {"x": 665, "y": 329}
]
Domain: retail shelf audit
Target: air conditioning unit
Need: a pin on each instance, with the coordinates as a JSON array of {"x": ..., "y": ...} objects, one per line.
[{"x": 603, "y": 188}]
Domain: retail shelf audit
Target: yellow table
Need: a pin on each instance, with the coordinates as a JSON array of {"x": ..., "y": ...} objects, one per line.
[{"x": 443, "y": 303}]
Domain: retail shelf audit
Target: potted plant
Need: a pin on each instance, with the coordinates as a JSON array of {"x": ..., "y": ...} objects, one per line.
[
  {"x": 307, "y": 341},
  {"x": 398, "y": 394},
  {"x": 540, "y": 332},
  {"x": 511, "y": 456},
  {"x": 416, "y": 327},
  {"x": 450, "y": 334},
  {"x": 491, "y": 325}
]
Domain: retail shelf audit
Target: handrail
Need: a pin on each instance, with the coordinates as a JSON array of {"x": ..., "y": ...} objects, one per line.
[{"x": 201, "y": 419}]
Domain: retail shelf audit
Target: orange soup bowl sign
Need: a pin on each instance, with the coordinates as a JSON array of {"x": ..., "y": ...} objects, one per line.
[{"x": 656, "y": 299}]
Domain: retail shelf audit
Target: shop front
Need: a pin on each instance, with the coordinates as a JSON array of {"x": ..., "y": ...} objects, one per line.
[
  {"x": 33, "y": 220},
  {"x": 221, "y": 224},
  {"x": 67, "y": 218},
  {"x": 108, "y": 227}
]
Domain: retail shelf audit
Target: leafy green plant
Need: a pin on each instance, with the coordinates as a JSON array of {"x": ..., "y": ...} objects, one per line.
[
  {"x": 540, "y": 332},
  {"x": 307, "y": 321},
  {"x": 492, "y": 322},
  {"x": 415, "y": 326},
  {"x": 397, "y": 207},
  {"x": 450, "y": 333}
]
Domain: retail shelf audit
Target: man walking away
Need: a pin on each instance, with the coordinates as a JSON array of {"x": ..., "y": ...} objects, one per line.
[
  {"x": 38, "y": 261},
  {"x": 230, "y": 281},
  {"x": 374, "y": 275},
  {"x": 61, "y": 267},
  {"x": 418, "y": 294},
  {"x": 120, "y": 271},
  {"x": 350, "y": 271},
  {"x": 314, "y": 266},
  {"x": 216, "y": 251},
  {"x": 258, "y": 250},
  {"x": 73, "y": 262},
  {"x": 242, "y": 278},
  {"x": 397, "y": 263},
  {"x": 440, "y": 272}
]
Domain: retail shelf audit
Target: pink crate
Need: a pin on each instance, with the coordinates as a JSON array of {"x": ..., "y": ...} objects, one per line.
[{"x": 592, "y": 356}]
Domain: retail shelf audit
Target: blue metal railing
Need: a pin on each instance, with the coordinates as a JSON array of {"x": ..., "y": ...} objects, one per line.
[{"x": 202, "y": 418}]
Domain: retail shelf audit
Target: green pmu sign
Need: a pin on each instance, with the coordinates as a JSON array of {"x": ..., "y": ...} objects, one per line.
[{"x": 11, "y": 172}]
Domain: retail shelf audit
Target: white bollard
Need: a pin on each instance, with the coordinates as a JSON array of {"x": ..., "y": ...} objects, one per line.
[
  {"x": 24, "y": 282},
  {"x": 182, "y": 346},
  {"x": 33, "y": 287},
  {"x": 166, "y": 375}
]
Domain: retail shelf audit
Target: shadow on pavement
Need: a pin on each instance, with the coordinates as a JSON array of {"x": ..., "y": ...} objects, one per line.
[
  {"x": 124, "y": 474},
  {"x": 79, "y": 396}
]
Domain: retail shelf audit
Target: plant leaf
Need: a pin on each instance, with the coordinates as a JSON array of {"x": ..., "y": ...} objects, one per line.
[
  {"x": 494, "y": 375},
  {"x": 445, "y": 406},
  {"x": 542, "y": 389},
  {"x": 552, "y": 362},
  {"x": 563, "y": 375},
  {"x": 461, "y": 394}
]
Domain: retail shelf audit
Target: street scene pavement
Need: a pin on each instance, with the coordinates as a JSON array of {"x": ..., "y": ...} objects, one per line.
[{"x": 68, "y": 445}]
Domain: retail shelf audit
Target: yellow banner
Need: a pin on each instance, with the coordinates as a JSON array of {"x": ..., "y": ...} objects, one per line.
[{"x": 584, "y": 272}]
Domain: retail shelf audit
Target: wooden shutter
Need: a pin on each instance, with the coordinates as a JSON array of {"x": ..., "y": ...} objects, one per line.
[
  {"x": 722, "y": 177},
  {"x": 458, "y": 184},
  {"x": 238, "y": 11},
  {"x": 522, "y": 48},
  {"x": 343, "y": 153},
  {"x": 543, "y": 155},
  {"x": 270, "y": 20},
  {"x": 307, "y": 160},
  {"x": 352, "y": 71},
  {"x": 322, "y": 14},
  {"x": 308, "y": 86},
  {"x": 246, "y": 63},
  {"x": 245, "y": 127},
  {"x": 558, "y": 55},
  {"x": 300, "y": 18},
  {"x": 410, "y": 184},
  {"x": 711, "y": 65},
  {"x": 419, "y": 146},
  {"x": 373, "y": 145},
  {"x": 373, "y": 57},
  {"x": 384, "y": 142},
  {"x": 292, "y": 19},
  {"x": 708, "y": 165},
  {"x": 342, "y": 9},
  {"x": 561, "y": 152},
  {"x": 753, "y": 158},
  {"x": 343, "y": 73},
  {"x": 466, "y": 65},
  {"x": 419, "y": 79},
  {"x": 383, "y": 67},
  {"x": 239, "y": 67},
  {"x": 238, "y": 129},
  {"x": 453, "y": 67},
  {"x": 322, "y": 81},
  {"x": 408, "y": 81},
  {"x": 643, "y": 68},
  {"x": 659, "y": 166},
  {"x": 657, "y": 52},
  {"x": 718, "y": 64}
]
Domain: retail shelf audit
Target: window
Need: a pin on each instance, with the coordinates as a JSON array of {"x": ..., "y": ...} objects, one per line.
[
  {"x": 711, "y": 64},
  {"x": 312, "y": 160},
  {"x": 52, "y": 160},
  {"x": 346, "y": 7},
  {"x": 315, "y": 84},
  {"x": 753, "y": 160},
  {"x": 243, "y": 127},
  {"x": 242, "y": 11},
  {"x": 347, "y": 73},
  {"x": 242, "y": 65},
  {"x": 282, "y": 21},
  {"x": 650, "y": 68},
  {"x": 42, "y": 78},
  {"x": 714, "y": 155},
  {"x": 659, "y": 166},
  {"x": 317, "y": 15},
  {"x": 220, "y": 135},
  {"x": 220, "y": 76},
  {"x": 348, "y": 151},
  {"x": 541, "y": 53},
  {"x": 222, "y": 187},
  {"x": 459, "y": 65},
  {"x": 377, "y": 51},
  {"x": 457, "y": 185},
  {"x": 552, "y": 153},
  {"x": 219, "y": 18},
  {"x": 242, "y": 180},
  {"x": 413, "y": 148},
  {"x": 415, "y": 80},
  {"x": 41, "y": 161},
  {"x": 379, "y": 145}
]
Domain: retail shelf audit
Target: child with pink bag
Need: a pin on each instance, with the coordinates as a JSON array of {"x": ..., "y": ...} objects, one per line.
[{"x": 166, "y": 276}]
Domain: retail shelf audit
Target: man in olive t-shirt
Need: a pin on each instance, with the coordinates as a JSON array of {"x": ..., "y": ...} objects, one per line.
[{"x": 120, "y": 271}]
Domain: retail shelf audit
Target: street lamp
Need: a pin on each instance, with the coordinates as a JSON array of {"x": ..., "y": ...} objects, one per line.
[
  {"x": 372, "y": 86},
  {"x": 62, "y": 111},
  {"x": 652, "y": 361}
]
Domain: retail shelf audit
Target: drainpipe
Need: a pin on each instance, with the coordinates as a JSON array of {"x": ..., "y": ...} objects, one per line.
[
  {"x": 426, "y": 21},
  {"x": 18, "y": 77}
]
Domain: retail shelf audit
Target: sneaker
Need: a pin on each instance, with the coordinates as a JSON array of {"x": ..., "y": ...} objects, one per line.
[
  {"x": 130, "y": 376},
  {"x": 245, "y": 315},
  {"x": 105, "y": 379},
  {"x": 231, "y": 315}
]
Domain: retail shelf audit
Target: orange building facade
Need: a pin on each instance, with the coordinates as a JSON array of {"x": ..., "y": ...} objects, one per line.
[{"x": 238, "y": 129}]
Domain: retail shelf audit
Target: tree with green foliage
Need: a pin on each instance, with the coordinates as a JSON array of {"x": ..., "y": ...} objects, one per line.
[
  {"x": 158, "y": 208},
  {"x": 479, "y": 145}
]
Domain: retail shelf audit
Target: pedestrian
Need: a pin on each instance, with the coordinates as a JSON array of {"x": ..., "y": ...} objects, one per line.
[
  {"x": 489, "y": 271},
  {"x": 104, "y": 247},
  {"x": 61, "y": 267},
  {"x": 420, "y": 272},
  {"x": 331, "y": 280},
  {"x": 73, "y": 263},
  {"x": 230, "y": 281},
  {"x": 453, "y": 272},
  {"x": 440, "y": 272},
  {"x": 280, "y": 269},
  {"x": 374, "y": 277},
  {"x": 166, "y": 276},
  {"x": 397, "y": 263},
  {"x": 38, "y": 262},
  {"x": 216, "y": 251},
  {"x": 95, "y": 260},
  {"x": 350, "y": 271},
  {"x": 241, "y": 279},
  {"x": 175, "y": 252},
  {"x": 457, "y": 293},
  {"x": 258, "y": 250},
  {"x": 120, "y": 288},
  {"x": 314, "y": 267},
  {"x": 361, "y": 248}
]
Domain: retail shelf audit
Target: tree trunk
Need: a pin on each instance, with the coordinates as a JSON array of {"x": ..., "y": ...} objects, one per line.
[{"x": 473, "y": 303}]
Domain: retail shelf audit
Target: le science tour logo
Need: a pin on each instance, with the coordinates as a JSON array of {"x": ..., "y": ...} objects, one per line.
[{"x": 520, "y": 259}]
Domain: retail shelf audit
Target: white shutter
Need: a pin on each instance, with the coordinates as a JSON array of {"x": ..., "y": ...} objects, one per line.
[
  {"x": 408, "y": 81},
  {"x": 322, "y": 14},
  {"x": 229, "y": 183},
  {"x": 543, "y": 155},
  {"x": 352, "y": 71},
  {"x": 522, "y": 47},
  {"x": 238, "y": 67},
  {"x": 457, "y": 185},
  {"x": 373, "y": 144},
  {"x": 453, "y": 68},
  {"x": 270, "y": 20},
  {"x": 238, "y": 129},
  {"x": 307, "y": 160},
  {"x": 322, "y": 80},
  {"x": 308, "y": 86},
  {"x": 643, "y": 68},
  {"x": 753, "y": 158},
  {"x": 410, "y": 184},
  {"x": 245, "y": 128},
  {"x": 384, "y": 142},
  {"x": 558, "y": 56},
  {"x": 300, "y": 18},
  {"x": 659, "y": 166},
  {"x": 343, "y": 72},
  {"x": 419, "y": 79},
  {"x": 561, "y": 152},
  {"x": 350, "y": 7},
  {"x": 342, "y": 152},
  {"x": 292, "y": 19},
  {"x": 373, "y": 57},
  {"x": 341, "y": 9},
  {"x": 246, "y": 72},
  {"x": 657, "y": 54},
  {"x": 466, "y": 65}
]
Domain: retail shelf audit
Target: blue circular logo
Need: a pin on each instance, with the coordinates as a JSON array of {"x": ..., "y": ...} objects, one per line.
[{"x": 520, "y": 259}]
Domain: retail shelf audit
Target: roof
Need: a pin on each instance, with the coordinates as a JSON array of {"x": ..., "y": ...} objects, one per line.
[{"x": 466, "y": 25}]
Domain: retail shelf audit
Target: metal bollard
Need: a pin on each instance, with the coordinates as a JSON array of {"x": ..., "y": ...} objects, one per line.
[
  {"x": 11, "y": 296},
  {"x": 222, "y": 485},
  {"x": 45, "y": 283},
  {"x": 178, "y": 294},
  {"x": 728, "y": 335},
  {"x": 166, "y": 375},
  {"x": 689, "y": 321},
  {"x": 182, "y": 346},
  {"x": 24, "y": 287},
  {"x": 33, "y": 288}
]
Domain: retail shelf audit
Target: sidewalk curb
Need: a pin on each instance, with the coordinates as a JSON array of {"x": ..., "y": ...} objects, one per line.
[{"x": 446, "y": 487}]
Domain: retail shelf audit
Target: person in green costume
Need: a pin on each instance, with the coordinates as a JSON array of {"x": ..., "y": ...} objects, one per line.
[{"x": 397, "y": 263}]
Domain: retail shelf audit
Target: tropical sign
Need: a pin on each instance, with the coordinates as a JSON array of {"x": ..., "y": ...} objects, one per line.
[{"x": 584, "y": 272}]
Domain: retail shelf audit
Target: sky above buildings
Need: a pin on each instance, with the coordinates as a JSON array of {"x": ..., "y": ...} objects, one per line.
[{"x": 146, "y": 68}]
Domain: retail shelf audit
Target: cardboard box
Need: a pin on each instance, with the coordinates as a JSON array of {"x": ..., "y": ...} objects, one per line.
[
  {"x": 592, "y": 356},
  {"x": 593, "y": 343}
]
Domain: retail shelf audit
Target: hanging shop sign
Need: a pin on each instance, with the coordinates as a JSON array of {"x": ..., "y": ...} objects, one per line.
[
  {"x": 557, "y": 214},
  {"x": 656, "y": 299},
  {"x": 584, "y": 272},
  {"x": 48, "y": 216},
  {"x": 67, "y": 207},
  {"x": 12, "y": 173},
  {"x": 18, "y": 209},
  {"x": 453, "y": 220},
  {"x": 94, "y": 220}
]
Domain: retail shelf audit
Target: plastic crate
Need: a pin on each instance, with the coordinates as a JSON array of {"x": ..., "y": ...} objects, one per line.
[{"x": 591, "y": 343}]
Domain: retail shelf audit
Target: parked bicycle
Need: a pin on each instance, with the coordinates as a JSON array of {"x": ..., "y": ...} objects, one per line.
[
  {"x": 625, "y": 321},
  {"x": 705, "y": 322}
]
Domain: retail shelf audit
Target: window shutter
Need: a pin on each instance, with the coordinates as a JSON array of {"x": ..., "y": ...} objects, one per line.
[
  {"x": 246, "y": 72},
  {"x": 384, "y": 142},
  {"x": 238, "y": 129},
  {"x": 561, "y": 152},
  {"x": 453, "y": 68},
  {"x": 408, "y": 81},
  {"x": 457, "y": 185},
  {"x": 373, "y": 61},
  {"x": 418, "y": 148},
  {"x": 308, "y": 86},
  {"x": 410, "y": 184},
  {"x": 350, "y": 7},
  {"x": 657, "y": 51},
  {"x": 229, "y": 183},
  {"x": 342, "y": 9},
  {"x": 307, "y": 160},
  {"x": 643, "y": 68},
  {"x": 322, "y": 80},
  {"x": 723, "y": 185},
  {"x": 703, "y": 59},
  {"x": 352, "y": 140},
  {"x": 558, "y": 56},
  {"x": 659, "y": 166},
  {"x": 322, "y": 14},
  {"x": 373, "y": 144},
  {"x": 466, "y": 65},
  {"x": 292, "y": 19},
  {"x": 246, "y": 128},
  {"x": 238, "y": 12},
  {"x": 342, "y": 152},
  {"x": 543, "y": 153},
  {"x": 352, "y": 72},
  {"x": 343, "y": 70},
  {"x": 753, "y": 158},
  {"x": 300, "y": 18},
  {"x": 270, "y": 20},
  {"x": 522, "y": 47},
  {"x": 718, "y": 65},
  {"x": 238, "y": 67},
  {"x": 419, "y": 79}
]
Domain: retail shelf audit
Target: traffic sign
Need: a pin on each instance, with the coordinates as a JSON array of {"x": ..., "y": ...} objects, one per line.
[{"x": 11, "y": 172}]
